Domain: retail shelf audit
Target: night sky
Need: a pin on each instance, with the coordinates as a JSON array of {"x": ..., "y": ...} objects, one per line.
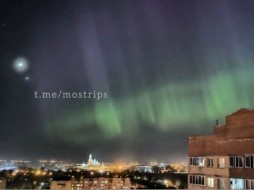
[{"x": 170, "y": 68}]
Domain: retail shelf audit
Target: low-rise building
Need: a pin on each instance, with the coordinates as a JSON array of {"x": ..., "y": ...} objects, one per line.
[
  {"x": 92, "y": 183},
  {"x": 107, "y": 183},
  {"x": 61, "y": 185}
]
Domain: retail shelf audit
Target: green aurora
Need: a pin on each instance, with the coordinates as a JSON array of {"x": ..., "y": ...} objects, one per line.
[{"x": 173, "y": 105}]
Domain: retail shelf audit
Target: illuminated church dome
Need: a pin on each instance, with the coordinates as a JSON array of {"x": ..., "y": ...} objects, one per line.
[{"x": 92, "y": 161}]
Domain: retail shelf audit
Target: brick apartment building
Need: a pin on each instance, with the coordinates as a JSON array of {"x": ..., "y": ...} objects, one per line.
[{"x": 224, "y": 159}]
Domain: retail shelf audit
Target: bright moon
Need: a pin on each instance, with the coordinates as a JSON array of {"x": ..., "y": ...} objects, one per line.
[{"x": 20, "y": 65}]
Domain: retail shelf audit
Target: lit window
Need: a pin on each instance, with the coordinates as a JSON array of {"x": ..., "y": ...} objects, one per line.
[
  {"x": 197, "y": 161},
  {"x": 236, "y": 183},
  {"x": 210, "y": 182},
  {"x": 221, "y": 162},
  {"x": 221, "y": 184}
]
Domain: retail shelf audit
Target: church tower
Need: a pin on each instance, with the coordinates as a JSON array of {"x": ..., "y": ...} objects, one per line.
[{"x": 90, "y": 160}]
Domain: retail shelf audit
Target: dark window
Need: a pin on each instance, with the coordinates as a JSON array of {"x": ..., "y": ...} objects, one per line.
[
  {"x": 247, "y": 184},
  {"x": 210, "y": 162},
  {"x": 249, "y": 159},
  {"x": 232, "y": 161},
  {"x": 197, "y": 180},
  {"x": 239, "y": 162}
]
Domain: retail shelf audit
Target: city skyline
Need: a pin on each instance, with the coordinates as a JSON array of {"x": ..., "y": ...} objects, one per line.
[{"x": 164, "y": 71}]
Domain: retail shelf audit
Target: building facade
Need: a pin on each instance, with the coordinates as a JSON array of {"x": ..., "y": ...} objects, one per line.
[
  {"x": 2, "y": 183},
  {"x": 224, "y": 159},
  {"x": 61, "y": 185},
  {"x": 107, "y": 183},
  {"x": 92, "y": 183}
]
